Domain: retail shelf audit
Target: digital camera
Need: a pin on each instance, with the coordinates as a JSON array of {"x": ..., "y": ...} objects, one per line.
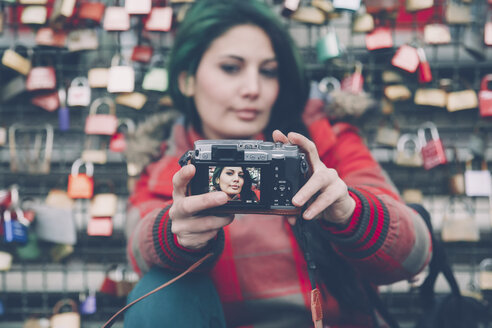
[{"x": 258, "y": 176}]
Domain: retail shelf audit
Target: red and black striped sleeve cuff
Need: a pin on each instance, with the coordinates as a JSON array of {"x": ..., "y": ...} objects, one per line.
[
  {"x": 176, "y": 257},
  {"x": 366, "y": 231}
]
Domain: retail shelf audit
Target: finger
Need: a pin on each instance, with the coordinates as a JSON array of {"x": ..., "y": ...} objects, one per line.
[
  {"x": 278, "y": 136},
  {"x": 307, "y": 146},
  {"x": 319, "y": 181},
  {"x": 202, "y": 224},
  {"x": 191, "y": 205},
  {"x": 292, "y": 220},
  {"x": 323, "y": 201},
  {"x": 181, "y": 180}
]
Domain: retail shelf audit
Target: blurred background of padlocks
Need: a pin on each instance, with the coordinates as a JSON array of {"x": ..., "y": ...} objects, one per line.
[{"x": 77, "y": 76}]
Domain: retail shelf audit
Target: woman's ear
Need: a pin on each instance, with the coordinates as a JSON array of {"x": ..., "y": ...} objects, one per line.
[{"x": 186, "y": 84}]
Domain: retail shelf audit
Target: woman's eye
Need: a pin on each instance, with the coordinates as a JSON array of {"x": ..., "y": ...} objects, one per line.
[
  {"x": 269, "y": 72},
  {"x": 230, "y": 68}
]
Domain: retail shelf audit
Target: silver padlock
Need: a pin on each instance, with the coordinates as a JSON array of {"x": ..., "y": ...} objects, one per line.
[
  {"x": 408, "y": 157},
  {"x": 79, "y": 92}
]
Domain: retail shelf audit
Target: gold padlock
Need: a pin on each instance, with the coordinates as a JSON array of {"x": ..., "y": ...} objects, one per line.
[
  {"x": 459, "y": 224},
  {"x": 408, "y": 157},
  {"x": 461, "y": 100},
  {"x": 431, "y": 97},
  {"x": 15, "y": 61},
  {"x": 397, "y": 92}
]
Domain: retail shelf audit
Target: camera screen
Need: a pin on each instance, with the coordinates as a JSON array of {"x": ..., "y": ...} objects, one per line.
[{"x": 240, "y": 183}]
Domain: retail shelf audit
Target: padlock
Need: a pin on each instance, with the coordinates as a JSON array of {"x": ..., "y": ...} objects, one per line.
[
  {"x": 104, "y": 124},
  {"x": 142, "y": 52},
  {"x": 328, "y": 46},
  {"x": 485, "y": 96},
  {"x": 388, "y": 132},
  {"x": 108, "y": 286},
  {"x": 487, "y": 34},
  {"x": 326, "y": 6},
  {"x": 91, "y": 12},
  {"x": 412, "y": 196},
  {"x": 485, "y": 276},
  {"x": 459, "y": 225},
  {"x": 81, "y": 185},
  {"x": 477, "y": 145},
  {"x": 42, "y": 138},
  {"x": 477, "y": 182},
  {"x": 98, "y": 77},
  {"x": 60, "y": 251},
  {"x": 118, "y": 140},
  {"x": 55, "y": 224},
  {"x": 473, "y": 41},
  {"x": 456, "y": 180},
  {"x": 458, "y": 14},
  {"x": 34, "y": 15},
  {"x": 437, "y": 34},
  {"x": 116, "y": 19},
  {"x": 42, "y": 75},
  {"x": 121, "y": 77},
  {"x": 47, "y": 36},
  {"x": 65, "y": 319},
  {"x": 138, "y": 7},
  {"x": 406, "y": 58},
  {"x": 424, "y": 73},
  {"x": 309, "y": 15},
  {"x": 79, "y": 92},
  {"x": 63, "y": 111},
  {"x": 31, "y": 250},
  {"x": 47, "y": 101},
  {"x": 13, "y": 230},
  {"x": 379, "y": 38},
  {"x": 289, "y": 7},
  {"x": 416, "y": 5},
  {"x": 397, "y": 92},
  {"x": 379, "y": 6},
  {"x": 13, "y": 59},
  {"x": 13, "y": 89},
  {"x": 59, "y": 198},
  {"x": 104, "y": 203},
  {"x": 352, "y": 5},
  {"x": 62, "y": 12},
  {"x": 354, "y": 82},
  {"x": 156, "y": 78},
  {"x": 5, "y": 261},
  {"x": 408, "y": 156},
  {"x": 3, "y": 135},
  {"x": 433, "y": 152},
  {"x": 100, "y": 226},
  {"x": 461, "y": 100},
  {"x": 431, "y": 97},
  {"x": 159, "y": 20},
  {"x": 82, "y": 39},
  {"x": 362, "y": 23},
  {"x": 88, "y": 302},
  {"x": 135, "y": 100}
]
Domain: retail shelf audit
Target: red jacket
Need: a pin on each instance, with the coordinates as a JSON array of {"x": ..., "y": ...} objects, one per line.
[{"x": 257, "y": 260}]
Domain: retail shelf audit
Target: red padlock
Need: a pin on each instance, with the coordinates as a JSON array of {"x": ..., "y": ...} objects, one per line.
[
  {"x": 485, "y": 96},
  {"x": 406, "y": 58},
  {"x": 379, "y": 38},
  {"x": 433, "y": 152},
  {"x": 47, "y": 101},
  {"x": 92, "y": 11},
  {"x": 41, "y": 78},
  {"x": 487, "y": 34},
  {"x": 105, "y": 124},
  {"x": 425, "y": 74},
  {"x": 100, "y": 226},
  {"x": 81, "y": 185}
]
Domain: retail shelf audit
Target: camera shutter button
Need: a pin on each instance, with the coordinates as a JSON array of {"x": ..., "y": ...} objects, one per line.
[
  {"x": 290, "y": 147},
  {"x": 266, "y": 146}
]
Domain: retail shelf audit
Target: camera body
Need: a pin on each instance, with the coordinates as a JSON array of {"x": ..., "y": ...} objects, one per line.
[{"x": 271, "y": 174}]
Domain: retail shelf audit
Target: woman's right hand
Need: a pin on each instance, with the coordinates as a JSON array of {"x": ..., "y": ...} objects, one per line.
[{"x": 195, "y": 231}]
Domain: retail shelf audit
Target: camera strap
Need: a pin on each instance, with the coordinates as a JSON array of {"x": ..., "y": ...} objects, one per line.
[
  {"x": 112, "y": 320},
  {"x": 302, "y": 238}
]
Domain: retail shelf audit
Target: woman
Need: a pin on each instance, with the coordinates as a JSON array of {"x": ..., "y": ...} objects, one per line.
[
  {"x": 235, "y": 74},
  {"x": 235, "y": 181}
]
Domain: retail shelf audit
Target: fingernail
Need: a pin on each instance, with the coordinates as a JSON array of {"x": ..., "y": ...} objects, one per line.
[
  {"x": 296, "y": 200},
  {"x": 308, "y": 215}
]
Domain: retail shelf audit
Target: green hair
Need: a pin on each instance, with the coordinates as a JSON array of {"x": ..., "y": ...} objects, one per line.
[{"x": 207, "y": 20}]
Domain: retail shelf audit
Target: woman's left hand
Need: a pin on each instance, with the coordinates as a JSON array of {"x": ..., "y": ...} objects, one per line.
[{"x": 325, "y": 192}]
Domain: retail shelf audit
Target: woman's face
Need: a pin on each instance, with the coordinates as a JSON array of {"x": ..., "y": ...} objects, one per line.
[
  {"x": 236, "y": 84},
  {"x": 231, "y": 180}
]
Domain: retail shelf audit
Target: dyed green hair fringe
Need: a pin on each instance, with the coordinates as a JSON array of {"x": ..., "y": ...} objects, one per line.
[{"x": 207, "y": 20}]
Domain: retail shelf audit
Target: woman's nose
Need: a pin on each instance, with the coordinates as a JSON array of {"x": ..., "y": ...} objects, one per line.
[{"x": 251, "y": 84}]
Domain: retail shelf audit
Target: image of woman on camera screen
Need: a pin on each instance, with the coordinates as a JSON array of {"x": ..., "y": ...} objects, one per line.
[
  {"x": 235, "y": 72},
  {"x": 235, "y": 181}
]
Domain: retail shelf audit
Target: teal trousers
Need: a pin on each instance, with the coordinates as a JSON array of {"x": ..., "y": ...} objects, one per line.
[{"x": 192, "y": 301}]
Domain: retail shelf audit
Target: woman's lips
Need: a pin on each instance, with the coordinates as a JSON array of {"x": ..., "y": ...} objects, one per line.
[{"x": 247, "y": 114}]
